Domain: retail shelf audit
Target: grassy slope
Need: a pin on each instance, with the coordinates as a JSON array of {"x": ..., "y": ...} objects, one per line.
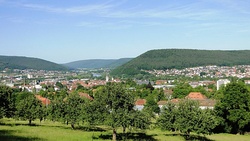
[{"x": 18, "y": 130}]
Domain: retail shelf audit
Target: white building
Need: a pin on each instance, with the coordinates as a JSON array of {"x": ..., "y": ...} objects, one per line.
[
  {"x": 29, "y": 76},
  {"x": 222, "y": 82}
]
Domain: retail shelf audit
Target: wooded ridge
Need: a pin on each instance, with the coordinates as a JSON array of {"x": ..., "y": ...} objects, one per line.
[
  {"x": 182, "y": 58},
  {"x": 18, "y": 62},
  {"x": 97, "y": 63}
]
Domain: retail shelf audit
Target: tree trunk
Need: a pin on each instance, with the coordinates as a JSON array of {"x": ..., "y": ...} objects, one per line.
[
  {"x": 124, "y": 133},
  {"x": 114, "y": 134},
  {"x": 72, "y": 126},
  {"x": 124, "y": 130},
  {"x": 187, "y": 135},
  {"x": 29, "y": 121}
]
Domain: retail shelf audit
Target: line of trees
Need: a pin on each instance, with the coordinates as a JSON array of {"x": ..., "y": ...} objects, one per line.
[{"x": 113, "y": 105}]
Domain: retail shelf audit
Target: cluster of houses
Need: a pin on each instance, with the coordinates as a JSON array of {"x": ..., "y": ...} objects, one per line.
[
  {"x": 52, "y": 77},
  {"x": 241, "y": 71},
  {"x": 204, "y": 102},
  {"x": 46, "y": 101}
]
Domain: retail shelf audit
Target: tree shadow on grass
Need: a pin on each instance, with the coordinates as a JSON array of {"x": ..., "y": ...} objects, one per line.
[
  {"x": 18, "y": 124},
  {"x": 191, "y": 137},
  {"x": 128, "y": 136},
  {"x": 196, "y": 138},
  {"x": 90, "y": 129},
  {"x": 8, "y": 135},
  {"x": 83, "y": 128}
]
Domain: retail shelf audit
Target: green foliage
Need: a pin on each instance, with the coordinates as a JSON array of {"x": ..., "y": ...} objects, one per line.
[
  {"x": 234, "y": 108},
  {"x": 181, "y": 58},
  {"x": 130, "y": 83},
  {"x": 29, "y": 108},
  {"x": 95, "y": 111},
  {"x": 119, "y": 102},
  {"x": 167, "y": 118},
  {"x": 158, "y": 94},
  {"x": 59, "y": 85},
  {"x": 56, "y": 109},
  {"x": 74, "y": 109},
  {"x": 67, "y": 108},
  {"x": 80, "y": 87},
  {"x": 143, "y": 93},
  {"x": 118, "y": 107},
  {"x": 206, "y": 122},
  {"x": 187, "y": 117},
  {"x": 140, "y": 120},
  {"x": 14, "y": 62},
  {"x": 151, "y": 106},
  {"x": 22, "y": 95},
  {"x": 6, "y": 101},
  {"x": 181, "y": 90}
]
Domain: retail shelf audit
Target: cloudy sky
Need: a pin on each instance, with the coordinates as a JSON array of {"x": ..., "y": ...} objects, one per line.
[{"x": 62, "y": 31}]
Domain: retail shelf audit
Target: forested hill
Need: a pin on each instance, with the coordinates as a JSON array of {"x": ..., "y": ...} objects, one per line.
[
  {"x": 182, "y": 58},
  {"x": 97, "y": 63},
  {"x": 18, "y": 62}
]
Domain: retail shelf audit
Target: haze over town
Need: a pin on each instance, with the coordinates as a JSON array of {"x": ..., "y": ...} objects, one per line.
[{"x": 65, "y": 31}]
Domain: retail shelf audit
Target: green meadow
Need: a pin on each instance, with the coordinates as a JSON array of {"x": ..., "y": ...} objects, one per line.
[{"x": 12, "y": 130}]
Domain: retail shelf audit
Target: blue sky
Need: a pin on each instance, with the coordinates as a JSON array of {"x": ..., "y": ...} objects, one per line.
[{"x": 65, "y": 31}]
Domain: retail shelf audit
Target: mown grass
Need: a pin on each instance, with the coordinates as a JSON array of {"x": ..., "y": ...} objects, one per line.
[{"x": 11, "y": 130}]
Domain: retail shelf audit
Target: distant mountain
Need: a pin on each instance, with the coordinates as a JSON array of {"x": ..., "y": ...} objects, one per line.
[
  {"x": 97, "y": 63},
  {"x": 18, "y": 62},
  {"x": 182, "y": 58}
]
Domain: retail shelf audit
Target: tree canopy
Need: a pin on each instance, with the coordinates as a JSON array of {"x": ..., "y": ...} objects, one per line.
[
  {"x": 234, "y": 108},
  {"x": 29, "y": 108},
  {"x": 118, "y": 102},
  {"x": 187, "y": 117}
]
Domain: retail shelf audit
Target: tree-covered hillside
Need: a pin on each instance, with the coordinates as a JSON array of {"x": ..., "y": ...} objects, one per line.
[
  {"x": 182, "y": 58},
  {"x": 17, "y": 62},
  {"x": 97, "y": 63}
]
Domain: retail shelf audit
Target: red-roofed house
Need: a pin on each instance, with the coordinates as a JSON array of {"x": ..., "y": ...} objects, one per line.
[
  {"x": 208, "y": 103},
  {"x": 196, "y": 96},
  {"x": 139, "y": 104},
  {"x": 161, "y": 82},
  {"x": 175, "y": 101},
  {"x": 204, "y": 102},
  {"x": 162, "y": 103},
  {"x": 85, "y": 95},
  {"x": 45, "y": 101}
]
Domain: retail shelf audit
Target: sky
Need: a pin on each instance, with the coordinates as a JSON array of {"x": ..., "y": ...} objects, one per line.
[{"x": 63, "y": 31}]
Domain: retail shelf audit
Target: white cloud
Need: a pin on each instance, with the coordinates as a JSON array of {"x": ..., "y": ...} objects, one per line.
[
  {"x": 84, "y": 9},
  {"x": 108, "y": 10},
  {"x": 112, "y": 14}
]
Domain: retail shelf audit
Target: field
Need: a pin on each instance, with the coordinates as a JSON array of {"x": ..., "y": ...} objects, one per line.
[{"x": 11, "y": 130}]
